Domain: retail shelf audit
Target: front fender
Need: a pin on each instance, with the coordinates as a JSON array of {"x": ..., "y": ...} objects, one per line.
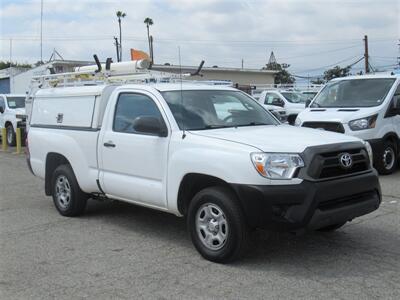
[{"x": 225, "y": 160}]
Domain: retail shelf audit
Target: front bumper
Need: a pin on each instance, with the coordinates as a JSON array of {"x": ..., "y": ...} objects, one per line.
[{"x": 309, "y": 204}]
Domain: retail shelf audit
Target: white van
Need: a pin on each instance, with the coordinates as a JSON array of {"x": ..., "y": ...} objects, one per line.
[
  {"x": 293, "y": 102},
  {"x": 12, "y": 115},
  {"x": 367, "y": 107}
]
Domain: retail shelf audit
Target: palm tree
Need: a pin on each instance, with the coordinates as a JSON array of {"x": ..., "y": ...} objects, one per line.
[
  {"x": 120, "y": 15},
  {"x": 148, "y": 21}
]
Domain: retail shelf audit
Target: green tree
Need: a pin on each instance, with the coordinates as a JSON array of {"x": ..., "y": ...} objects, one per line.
[
  {"x": 120, "y": 15},
  {"x": 336, "y": 72},
  {"x": 284, "y": 77},
  {"x": 7, "y": 64},
  {"x": 148, "y": 21}
]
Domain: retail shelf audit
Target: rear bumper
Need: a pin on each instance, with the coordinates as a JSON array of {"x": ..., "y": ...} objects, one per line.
[{"x": 309, "y": 204}]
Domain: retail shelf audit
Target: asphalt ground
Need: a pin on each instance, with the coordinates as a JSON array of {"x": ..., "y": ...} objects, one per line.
[{"x": 122, "y": 251}]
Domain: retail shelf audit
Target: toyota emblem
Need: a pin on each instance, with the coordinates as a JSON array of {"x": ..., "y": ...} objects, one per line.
[{"x": 345, "y": 160}]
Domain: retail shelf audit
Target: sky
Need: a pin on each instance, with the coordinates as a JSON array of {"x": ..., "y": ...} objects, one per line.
[{"x": 310, "y": 35}]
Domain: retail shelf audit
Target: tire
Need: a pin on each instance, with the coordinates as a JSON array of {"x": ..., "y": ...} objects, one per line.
[
  {"x": 10, "y": 135},
  {"x": 331, "y": 228},
  {"x": 229, "y": 239},
  {"x": 386, "y": 159},
  {"x": 291, "y": 119},
  {"x": 68, "y": 198}
]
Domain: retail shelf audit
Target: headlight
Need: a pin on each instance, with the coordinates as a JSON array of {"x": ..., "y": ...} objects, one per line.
[
  {"x": 369, "y": 150},
  {"x": 364, "y": 123},
  {"x": 297, "y": 122},
  {"x": 277, "y": 165}
]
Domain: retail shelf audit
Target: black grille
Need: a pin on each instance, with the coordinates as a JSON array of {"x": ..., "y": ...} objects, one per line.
[
  {"x": 329, "y": 126},
  {"x": 349, "y": 200},
  {"x": 328, "y": 165}
]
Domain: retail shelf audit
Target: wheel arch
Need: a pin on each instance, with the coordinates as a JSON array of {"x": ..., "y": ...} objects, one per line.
[
  {"x": 393, "y": 137},
  {"x": 192, "y": 183},
  {"x": 53, "y": 160}
]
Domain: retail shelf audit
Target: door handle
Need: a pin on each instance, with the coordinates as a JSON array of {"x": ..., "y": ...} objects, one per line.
[{"x": 109, "y": 144}]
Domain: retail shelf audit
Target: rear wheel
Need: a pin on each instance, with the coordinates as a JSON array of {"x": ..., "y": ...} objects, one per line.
[
  {"x": 217, "y": 225},
  {"x": 10, "y": 136},
  {"x": 68, "y": 198},
  {"x": 386, "y": 160}
]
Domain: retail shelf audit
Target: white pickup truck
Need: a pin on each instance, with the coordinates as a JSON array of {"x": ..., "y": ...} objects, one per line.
[
  {"x": 209, "y": 153},
  {"x": 292, "y": 102},
  {"x": 12, "y": 115}
]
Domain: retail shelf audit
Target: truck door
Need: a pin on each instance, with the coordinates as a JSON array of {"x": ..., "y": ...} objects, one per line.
[{"x": 133, "y": 164}]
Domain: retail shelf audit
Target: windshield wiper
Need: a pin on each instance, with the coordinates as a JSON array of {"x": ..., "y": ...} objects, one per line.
[
  {"x": 216, "y": 126},
  {"x": 252, "y": 124}
]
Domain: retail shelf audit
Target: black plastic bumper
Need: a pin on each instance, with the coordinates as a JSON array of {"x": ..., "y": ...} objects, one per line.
[{"x": 309, "y": 204}]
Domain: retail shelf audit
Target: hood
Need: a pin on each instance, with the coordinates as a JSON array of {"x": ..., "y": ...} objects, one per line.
[
  {"x": 281, "y": 138},
  {"x": 340, "y": 115},
  {"x": 18, "y": 111}
]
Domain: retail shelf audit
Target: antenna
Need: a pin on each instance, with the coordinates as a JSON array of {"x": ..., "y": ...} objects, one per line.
[{"x": 180, "y": 79}]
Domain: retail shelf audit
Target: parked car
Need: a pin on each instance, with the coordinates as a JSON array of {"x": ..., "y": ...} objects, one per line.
[
  {"x": 209, "y": 153},
  {"x": 12, "y": 115},
  {"x": 293, "y": 102},
  {"x": 367, "y": 107}
]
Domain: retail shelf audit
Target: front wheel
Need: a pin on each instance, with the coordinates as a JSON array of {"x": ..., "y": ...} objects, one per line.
[
  {"x": 217, "y": 225},
  {"x": 10, "y": 135},
  {"x": 386, "y": 160},
  {"x": 68, "y": 198}
]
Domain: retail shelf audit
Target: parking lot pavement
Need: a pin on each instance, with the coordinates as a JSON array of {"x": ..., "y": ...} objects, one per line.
[{"x": 123, "y": 251}]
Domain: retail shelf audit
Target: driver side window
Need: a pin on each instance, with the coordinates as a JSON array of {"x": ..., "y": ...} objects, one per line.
[
  {"x": 131, "y": 106},
  {"x": 396, "y": 98},
  {"x": 269, "y": 98}
]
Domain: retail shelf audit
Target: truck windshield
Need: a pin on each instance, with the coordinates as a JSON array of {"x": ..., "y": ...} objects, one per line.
[
  {"x": 16, "y": 102},
  {"x": 354, "y": 93},
  {"x": 210, "y": 109},
  {"x": 294, "y": 97}
]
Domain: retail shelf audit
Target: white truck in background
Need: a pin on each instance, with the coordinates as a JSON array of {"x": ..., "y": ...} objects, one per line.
[
  {"x": 209, "y": 153},
  {"x": 367, "y": 107},
  {"x": 12, "y": 115},
  {"x": 292, "y": 102}
]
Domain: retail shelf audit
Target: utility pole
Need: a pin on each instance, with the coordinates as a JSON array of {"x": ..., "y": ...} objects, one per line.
[
  {"x": 242, "y": 63},
  {"x": 11, "y": 69},
  {"x": 366, "y": 55},
  {"x": 398, "y": 57},
  {"x": 151, "y": 50},
  {"x": 41, "y": 31}
]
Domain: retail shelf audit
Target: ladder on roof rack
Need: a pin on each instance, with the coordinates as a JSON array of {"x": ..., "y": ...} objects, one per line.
[{"x": 136, "y": 71}]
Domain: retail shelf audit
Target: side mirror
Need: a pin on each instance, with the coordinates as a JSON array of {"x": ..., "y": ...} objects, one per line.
[
  {"x": 308, "y": 102},
  {"x": 150, "y": 125},
  {"x": 1, "y": 109},
  {"x": 277, "y": 102}
]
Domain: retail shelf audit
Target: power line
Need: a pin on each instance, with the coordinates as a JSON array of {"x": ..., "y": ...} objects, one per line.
[{"x": 330, "y": 65}]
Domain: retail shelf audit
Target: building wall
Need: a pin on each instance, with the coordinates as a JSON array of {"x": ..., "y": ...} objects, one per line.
[{"x": 243, "y": 78}]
